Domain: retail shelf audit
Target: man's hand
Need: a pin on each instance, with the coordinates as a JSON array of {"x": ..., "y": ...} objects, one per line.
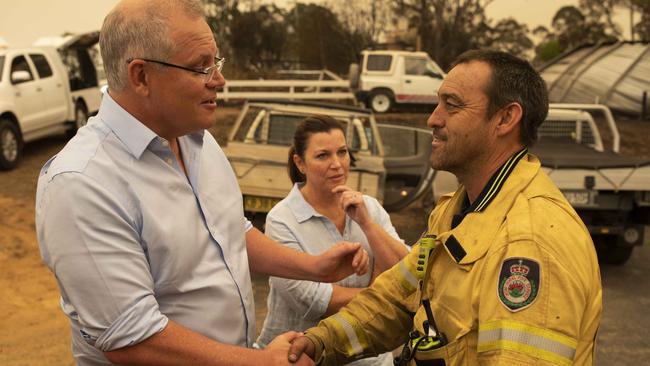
[
  {"x": 340, "y": 261},
  {"x": 278, "y": 349},
  {"x": 301, "y": 347},
  {"x": 271, "y": 258}
]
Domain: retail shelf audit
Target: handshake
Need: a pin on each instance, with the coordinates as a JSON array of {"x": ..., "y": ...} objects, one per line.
[{"x": 290, "y": 348}]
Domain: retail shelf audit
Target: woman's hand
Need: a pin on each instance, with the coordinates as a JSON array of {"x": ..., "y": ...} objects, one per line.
[{"x": 353, "y": 204}]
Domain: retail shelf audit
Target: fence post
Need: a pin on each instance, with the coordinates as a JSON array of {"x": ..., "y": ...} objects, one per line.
[{"x": 644, "y": 104}]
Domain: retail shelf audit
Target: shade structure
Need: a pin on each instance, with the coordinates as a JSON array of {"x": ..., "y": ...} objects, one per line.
[{"x": 615, "y": 74}]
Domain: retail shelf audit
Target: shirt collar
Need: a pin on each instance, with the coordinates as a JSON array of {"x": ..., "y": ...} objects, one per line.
[
  {"x": 302, "y": 210},
  {"x": 128, "y": 129}
]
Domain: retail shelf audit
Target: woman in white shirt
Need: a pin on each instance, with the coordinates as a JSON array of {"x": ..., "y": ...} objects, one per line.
[{"x": 319, "y": 211}]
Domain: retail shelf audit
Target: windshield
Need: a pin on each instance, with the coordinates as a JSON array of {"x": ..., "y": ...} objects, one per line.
[
  {"x": 2, "y": 64},
  {"x": 433, "y": 67}
]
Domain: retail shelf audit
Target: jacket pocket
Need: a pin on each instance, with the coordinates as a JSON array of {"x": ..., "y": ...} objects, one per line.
[{"x": 454, "y": 353}]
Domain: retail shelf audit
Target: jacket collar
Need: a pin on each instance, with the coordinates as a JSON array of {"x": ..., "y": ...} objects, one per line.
[{"x": 471, "y": 238}]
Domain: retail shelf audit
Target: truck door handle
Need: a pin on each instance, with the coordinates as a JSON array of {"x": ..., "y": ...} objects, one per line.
[{"x": 408, "y": 81}]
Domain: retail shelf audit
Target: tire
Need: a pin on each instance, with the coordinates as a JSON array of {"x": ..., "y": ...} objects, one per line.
[
  {"x": 80, "y": 118},
  {"x": 610, "y": 253},
  {"x": 380, "y": 101},
  {"x": 10, "y": 145}
]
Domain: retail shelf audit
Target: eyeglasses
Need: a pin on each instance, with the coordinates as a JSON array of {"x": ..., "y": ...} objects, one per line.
[{"x": 208, "y": 71}]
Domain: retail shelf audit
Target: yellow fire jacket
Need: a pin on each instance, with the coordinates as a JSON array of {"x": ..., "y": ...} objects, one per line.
[{"x": 515, "y": 281}]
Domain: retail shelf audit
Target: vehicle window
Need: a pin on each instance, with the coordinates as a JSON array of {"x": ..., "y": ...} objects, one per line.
[
  {"x": 251, "y": 120},
  {"x": 282, "y": 127},
  {"x": 42, "y": 66},
  {"x": 415, "y": 66},
  {"x": 20, "y": 64},
  {"x": 379, "y": 62},
  {"x": 2, "y": 65},
  {"x": 433, "y": 68},
  {"x": 362, "y": 139},
  {"x": 399, "y": 142},
  {"x": 573, "y": 130}
]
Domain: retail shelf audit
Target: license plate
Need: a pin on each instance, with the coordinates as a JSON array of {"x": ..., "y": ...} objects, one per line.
[
  {"x": 580, "y": 197},
  {"x": 259, "y": 204}
]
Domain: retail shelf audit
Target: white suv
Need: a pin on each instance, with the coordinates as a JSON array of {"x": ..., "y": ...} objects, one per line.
[{"x": 390, "y": 77}]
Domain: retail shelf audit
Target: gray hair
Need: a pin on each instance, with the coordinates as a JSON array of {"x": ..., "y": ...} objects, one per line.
[{"x": 139, "y": 30}]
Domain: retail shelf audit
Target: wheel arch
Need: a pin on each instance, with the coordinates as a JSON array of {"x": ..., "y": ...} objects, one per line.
[
  {"x": 383, "y": 89},
  {"x": 10, "y": 116},
  {"x": 80, "y": 101}
]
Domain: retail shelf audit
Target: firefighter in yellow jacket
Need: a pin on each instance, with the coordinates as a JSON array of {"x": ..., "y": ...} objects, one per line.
[{"x": 507, "y": 274}]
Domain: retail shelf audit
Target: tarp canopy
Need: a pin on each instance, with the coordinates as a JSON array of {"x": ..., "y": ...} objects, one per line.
[
  {"x": 83, "y": 40},
  {"x": 615, "y": 74}
]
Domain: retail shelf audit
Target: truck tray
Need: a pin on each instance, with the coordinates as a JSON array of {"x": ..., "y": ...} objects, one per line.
[{"x": 567, "y": 154}]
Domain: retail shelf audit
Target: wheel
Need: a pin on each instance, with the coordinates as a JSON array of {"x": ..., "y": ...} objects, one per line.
[
  {"x": 610, "y": 253},
  {"x": 80, "y": 118},
  {"x": 10, "y": 145},
  {"x": 380, "y": 101}
]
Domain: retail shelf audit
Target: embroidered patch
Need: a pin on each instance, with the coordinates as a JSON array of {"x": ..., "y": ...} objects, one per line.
[{"x": 518, "y": 284}]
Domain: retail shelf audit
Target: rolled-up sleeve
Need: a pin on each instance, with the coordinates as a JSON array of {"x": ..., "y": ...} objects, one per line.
[
  {"x": 91, "y": 242},
  {"x": 309, "y": 299}
]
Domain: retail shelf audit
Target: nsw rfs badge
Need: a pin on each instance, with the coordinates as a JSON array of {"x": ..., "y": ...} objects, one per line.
[{"x": 519, "y": 283}]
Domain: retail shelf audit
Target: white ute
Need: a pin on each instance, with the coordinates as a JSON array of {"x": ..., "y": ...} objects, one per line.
[
  {"x": 395, "y": 77},
  {"x": 45, "y": 91}
]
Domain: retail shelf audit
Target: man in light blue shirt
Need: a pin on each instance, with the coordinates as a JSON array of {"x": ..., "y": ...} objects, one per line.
[{"x": 140, "y": 217}]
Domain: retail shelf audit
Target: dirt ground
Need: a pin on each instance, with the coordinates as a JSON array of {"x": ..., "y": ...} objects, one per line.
[{"x": 34, "y": 331}]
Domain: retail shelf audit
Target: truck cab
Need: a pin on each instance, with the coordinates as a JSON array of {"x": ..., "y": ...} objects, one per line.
[
  {"x": 388, "y": 78},
  {"x": 45, "y": 91}
]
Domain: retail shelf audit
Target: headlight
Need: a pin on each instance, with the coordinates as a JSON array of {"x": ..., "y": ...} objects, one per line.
[{"x": 631, "y": 235}]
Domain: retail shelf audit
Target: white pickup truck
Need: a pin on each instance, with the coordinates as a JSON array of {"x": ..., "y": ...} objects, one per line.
[
  {"x": 388, "y": 78},
  {"x": 45, "y": 91},
  {"x": 609, "y": 191}
]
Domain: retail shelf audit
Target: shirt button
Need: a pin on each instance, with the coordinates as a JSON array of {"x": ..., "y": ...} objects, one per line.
[
  {"x": 169, "y": 161},
  {"x": 165, "y": 143}
]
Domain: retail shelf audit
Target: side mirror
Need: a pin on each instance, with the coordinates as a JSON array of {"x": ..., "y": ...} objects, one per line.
[{"x": 21, "y": 76}]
